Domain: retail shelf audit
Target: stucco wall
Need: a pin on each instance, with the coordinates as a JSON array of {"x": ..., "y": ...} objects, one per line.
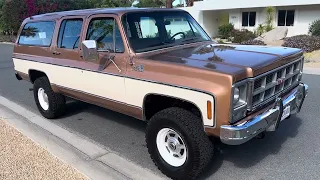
[
  {"x": 233, "y": 4},
  {"x": 304, "y": 15},
  {"x": 211, "y": 22}
]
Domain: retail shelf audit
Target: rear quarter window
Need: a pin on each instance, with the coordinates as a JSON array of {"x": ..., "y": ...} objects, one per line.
[{"x": 37, "y": 33}]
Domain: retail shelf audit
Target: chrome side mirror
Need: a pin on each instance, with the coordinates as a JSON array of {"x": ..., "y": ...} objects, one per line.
[{"x": 90, "y": 50}]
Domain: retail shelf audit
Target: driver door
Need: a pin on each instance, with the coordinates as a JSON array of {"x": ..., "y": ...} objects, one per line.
[{"x": 104, "y": 77}]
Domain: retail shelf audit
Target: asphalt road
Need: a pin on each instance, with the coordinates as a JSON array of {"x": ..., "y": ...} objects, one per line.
[{"x": 292, "y": 152}]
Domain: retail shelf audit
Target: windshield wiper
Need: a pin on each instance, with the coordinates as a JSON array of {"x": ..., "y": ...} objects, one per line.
[{"x": 191, "y": 39}]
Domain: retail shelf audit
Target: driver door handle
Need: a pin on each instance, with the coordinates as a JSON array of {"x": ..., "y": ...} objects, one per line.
[{"x": 56, "y": 53}]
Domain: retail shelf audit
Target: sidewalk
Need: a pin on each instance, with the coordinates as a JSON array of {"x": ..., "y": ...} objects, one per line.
[
  {"x": 21, "y": 158},
  {"x": 93, "y": 160}
]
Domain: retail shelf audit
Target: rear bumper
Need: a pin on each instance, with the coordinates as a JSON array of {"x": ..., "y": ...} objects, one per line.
[{"x": 266, "y": 121}]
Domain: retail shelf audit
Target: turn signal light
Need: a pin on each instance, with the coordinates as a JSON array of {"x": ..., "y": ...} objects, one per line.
[{"x": 209, "y": 109}]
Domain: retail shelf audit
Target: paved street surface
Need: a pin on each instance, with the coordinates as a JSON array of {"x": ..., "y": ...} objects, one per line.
[
  {"x": 22, "y": 159},
  {"x": 293, "y": 152}
]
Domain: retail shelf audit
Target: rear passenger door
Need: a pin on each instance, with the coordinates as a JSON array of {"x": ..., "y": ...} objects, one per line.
[{"x": 68, "y": 38}]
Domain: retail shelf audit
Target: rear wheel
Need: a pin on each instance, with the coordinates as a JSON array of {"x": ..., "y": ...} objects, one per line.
[
  {"x": 177, "y": 143},
  {"x": 50, "y": 104}
]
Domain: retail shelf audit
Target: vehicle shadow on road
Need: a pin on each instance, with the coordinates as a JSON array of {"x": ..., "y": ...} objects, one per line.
[
  {"x": 254, "y": 151},
  {"x": 75, "y": 107}
]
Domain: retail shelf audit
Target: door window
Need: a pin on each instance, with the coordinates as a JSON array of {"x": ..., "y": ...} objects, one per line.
[
  {"x": 69, "y": 33},
  {"x": 148, "y": 28},
  {"x": 106, "y": 32},
  {"x": 37, "y": 33}
]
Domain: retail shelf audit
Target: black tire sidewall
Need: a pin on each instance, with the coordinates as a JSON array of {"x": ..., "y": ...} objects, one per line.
[
  {"x": 44, "y": 83},
  {"x": 153, "y": 131}
]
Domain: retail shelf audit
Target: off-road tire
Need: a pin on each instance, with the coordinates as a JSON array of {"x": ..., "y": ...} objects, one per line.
[
  {"x": 57, "y": 102},
  {"x": 190, "y": 127}
]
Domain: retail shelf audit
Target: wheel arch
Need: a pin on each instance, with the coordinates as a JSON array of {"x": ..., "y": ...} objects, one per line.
[
  {"x": 35, "y": 73},
  {"x": 147, "y": 116}
]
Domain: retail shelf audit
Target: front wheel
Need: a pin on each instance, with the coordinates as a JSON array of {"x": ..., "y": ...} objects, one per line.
[{"x": 177, "y": 143}]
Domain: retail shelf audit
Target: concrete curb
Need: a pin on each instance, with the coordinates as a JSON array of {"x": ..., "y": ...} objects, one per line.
[
  {"x": 97, "y": 161},
  {"x": 10, "y": 43}
]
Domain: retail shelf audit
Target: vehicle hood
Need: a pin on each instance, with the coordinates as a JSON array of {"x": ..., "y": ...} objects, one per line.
[{"x": 241, "y": 61}]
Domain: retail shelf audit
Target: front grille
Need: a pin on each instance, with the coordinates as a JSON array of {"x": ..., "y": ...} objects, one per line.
[{"x": 268, "y": 85}]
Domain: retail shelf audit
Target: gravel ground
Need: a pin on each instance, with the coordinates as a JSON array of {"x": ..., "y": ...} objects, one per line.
[{"x": 22, "y": 159}]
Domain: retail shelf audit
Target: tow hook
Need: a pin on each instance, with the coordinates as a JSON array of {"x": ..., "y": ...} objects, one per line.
[
  {"x": 261, "y": 135},
  {"x": 30, "y": 89}
]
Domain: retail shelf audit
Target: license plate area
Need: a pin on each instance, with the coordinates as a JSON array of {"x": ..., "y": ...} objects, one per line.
[{"x": 286, "y": 112}]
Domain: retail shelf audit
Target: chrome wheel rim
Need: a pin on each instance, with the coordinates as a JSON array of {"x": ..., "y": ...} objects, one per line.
[
  {"x": 43, "y": 99},
  {"x": 171, "y": 147}
]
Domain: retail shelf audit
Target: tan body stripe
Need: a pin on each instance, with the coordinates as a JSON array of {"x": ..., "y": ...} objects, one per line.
[{"x": 121, "y": 89}]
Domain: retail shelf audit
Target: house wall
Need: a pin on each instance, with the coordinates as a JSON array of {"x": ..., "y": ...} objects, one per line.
[
  {"x": 304, "y": 15},
  {"x": 232, "y": 4},
  {"x": 211, "y": 22}
]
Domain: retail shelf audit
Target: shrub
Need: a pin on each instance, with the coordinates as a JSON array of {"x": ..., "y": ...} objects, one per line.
[
  {"x": 7, "y": 38},
  {"x": 260, "y": 30},
  {"x": 220, "y": 41},
  {"x": 314, "y": 28},
  {"x": 224, "y": 31},
  {"x": 242, "y": 35},
  {"x": 304, "y": 42},
  {"x": 253, "y": 42}
]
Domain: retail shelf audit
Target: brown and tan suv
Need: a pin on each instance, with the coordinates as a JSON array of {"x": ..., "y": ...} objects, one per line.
[{"x": 160, "y": 66}]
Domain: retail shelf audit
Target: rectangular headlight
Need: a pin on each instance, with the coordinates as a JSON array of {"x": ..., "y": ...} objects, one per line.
[{"x": 239, "y": 101}]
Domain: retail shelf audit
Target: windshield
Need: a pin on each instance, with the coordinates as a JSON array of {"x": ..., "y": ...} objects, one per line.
[{"x": 147, "y": 31}]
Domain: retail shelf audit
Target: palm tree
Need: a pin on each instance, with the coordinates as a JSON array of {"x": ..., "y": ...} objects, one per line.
[
  {"x": 190, "y": 2},
  {"x": 168, "y": 3}
]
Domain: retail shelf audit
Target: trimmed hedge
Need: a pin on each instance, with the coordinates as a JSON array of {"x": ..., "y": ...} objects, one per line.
[{"x": 305, "y": 42}]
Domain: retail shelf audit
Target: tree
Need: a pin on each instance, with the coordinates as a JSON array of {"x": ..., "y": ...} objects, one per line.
[
  {"x": 1, "y": 4},
  {"x": 111, "y": 3},
  {"x": 270, "y": 14},
  {"x": 188, "y": 3},
  {"x": 150, "y": 3},
  {"x": 169, "y": 4},
  {"x": 13, "y": 11}
]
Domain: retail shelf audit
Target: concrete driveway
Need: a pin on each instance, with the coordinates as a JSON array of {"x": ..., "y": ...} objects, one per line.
[{"x": 293, "y": 152}]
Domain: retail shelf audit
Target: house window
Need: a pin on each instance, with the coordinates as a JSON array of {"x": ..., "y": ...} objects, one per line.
[
  {"x": 285, "y": 17},
  {"x": 248, "y": 19}
]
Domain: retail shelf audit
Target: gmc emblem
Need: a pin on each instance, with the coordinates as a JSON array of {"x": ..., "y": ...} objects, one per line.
[{"x": 280, "y": 81}]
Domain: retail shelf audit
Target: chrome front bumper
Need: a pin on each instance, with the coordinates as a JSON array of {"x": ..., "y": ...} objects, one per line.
[{"x": 268, "y": 120}]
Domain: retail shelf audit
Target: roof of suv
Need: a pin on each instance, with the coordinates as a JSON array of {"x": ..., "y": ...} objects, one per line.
[{"x": 118, "y": 11}]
